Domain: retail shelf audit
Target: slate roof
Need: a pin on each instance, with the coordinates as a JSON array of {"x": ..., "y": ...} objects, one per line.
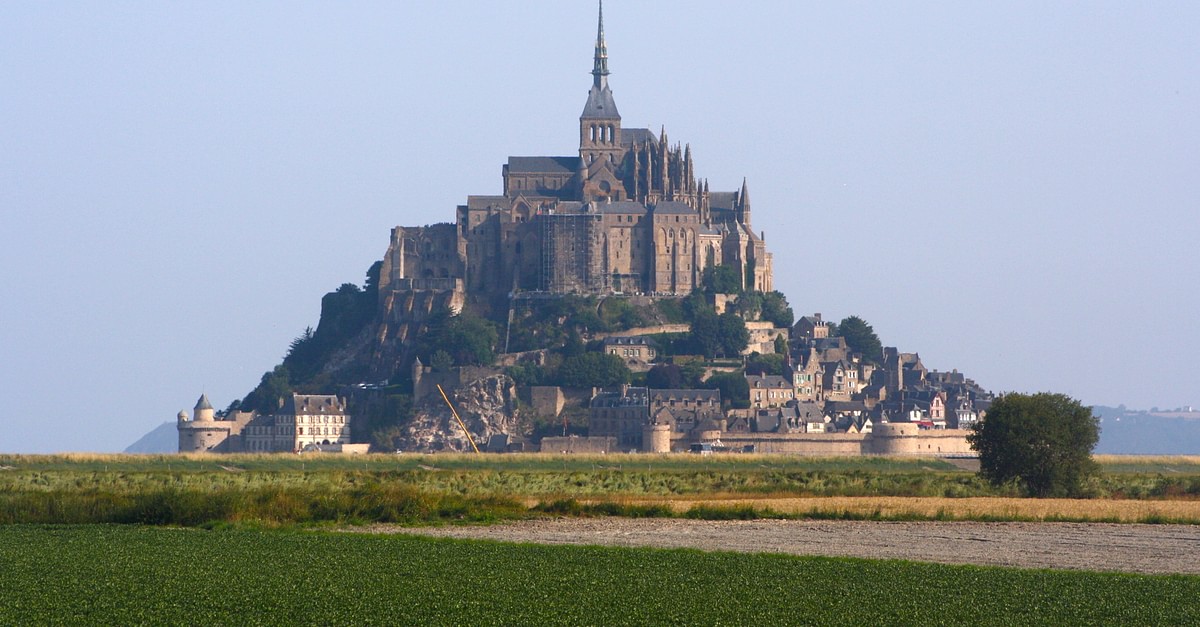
[
  {"x": 543, "y": 165},
  {"x": 721, "y": 200},
  {"x": 683, "y": 394},
  {"x": 826, "y": 343},
  {"x": 767, "y": 381},
  {"x": 203, "y": 403},
  {"x": 298, "y": 404},
  {"x": 485, "y": 202},
  {"x": 636, "y": 340},
  {"x": 672, "y": 207},
  {"x": 638, "y": 136},
  {"x": 600, "y": 104},
  {"x": 621, "y": 206},
  {"x": 844, "y": 406}
]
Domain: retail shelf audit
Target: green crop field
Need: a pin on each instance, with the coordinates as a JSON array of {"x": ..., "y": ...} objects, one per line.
[{"x": 109, "y": 575}]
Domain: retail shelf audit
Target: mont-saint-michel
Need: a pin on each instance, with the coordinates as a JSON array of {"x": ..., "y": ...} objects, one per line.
[
  {"x": 624, "y": 322},
  {"x": 604, "y": 301}
]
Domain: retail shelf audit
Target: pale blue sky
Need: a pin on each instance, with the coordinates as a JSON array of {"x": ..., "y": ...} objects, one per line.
[{"x": 1009, "y": 189}]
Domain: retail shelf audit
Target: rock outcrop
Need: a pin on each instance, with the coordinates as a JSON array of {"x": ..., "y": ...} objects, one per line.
[{"x": 487, "y": 406}]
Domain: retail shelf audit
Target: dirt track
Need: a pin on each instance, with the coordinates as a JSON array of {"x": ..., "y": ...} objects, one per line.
[{"x": 1079, "y": 546}]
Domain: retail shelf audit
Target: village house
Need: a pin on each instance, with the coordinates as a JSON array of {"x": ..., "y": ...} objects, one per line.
[
  {"x": 637, "y": 352},
  {"x": 770, "y": 390}
]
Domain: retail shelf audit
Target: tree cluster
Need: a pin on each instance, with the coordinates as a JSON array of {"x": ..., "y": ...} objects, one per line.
[
  {"x": 723, "y": 335},
  {"x": 466, "y": 339},
  {"x": 860, "y": 337}
]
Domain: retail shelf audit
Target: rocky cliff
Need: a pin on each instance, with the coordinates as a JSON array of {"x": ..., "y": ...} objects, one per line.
[{"x": 487, "y": 406}]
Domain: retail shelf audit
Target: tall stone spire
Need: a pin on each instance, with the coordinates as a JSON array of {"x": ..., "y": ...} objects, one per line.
[
  {"x": 600, "y": 63},
  {"x": 744, "y": 204},
  {"x": 600, "y": 104}
]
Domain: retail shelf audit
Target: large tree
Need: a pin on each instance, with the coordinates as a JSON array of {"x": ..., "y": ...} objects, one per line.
[
  {"x": 733, "y": 334},
  {"x": 733, "y": 386},
  {"x": 721, "y": 280},
  {"x": 1044, "y": 441},
  {"x": 665, "y": 377},
  {"x": 706, "y": 333},
  {"x": 861, "y": 338},
  {"x": 775, "y": 308}
]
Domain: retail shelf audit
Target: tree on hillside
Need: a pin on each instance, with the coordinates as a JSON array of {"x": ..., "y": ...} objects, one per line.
[
  {"x": 715, "y": 335},
  {"x": 666, "y": 377},
  {"x": 861, "y": 338},
  {"x": 765, "y": 364},
  {"x": 273, "y": 386},
  {"x": 733, "y": 386},
  {"x": 775, "y": 308},
  {"x": 1044, "y": 441},
  {"x": 467, "y": 338},
  {"x": 721, "y": 280},
  {"x": 592, "y": 370},
  {"x": 733, "y": 334},
  {"x": 750, "y": 305},
  {"x": 706, "y": 333}
]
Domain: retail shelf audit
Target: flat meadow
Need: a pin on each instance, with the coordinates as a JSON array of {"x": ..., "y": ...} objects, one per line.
[
  {"x": 277, "y": 490},
  {"x": 256, "y": 539}
]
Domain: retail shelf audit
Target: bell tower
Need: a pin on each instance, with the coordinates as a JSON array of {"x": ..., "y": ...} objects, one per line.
[{"x": 600, "y": 123}]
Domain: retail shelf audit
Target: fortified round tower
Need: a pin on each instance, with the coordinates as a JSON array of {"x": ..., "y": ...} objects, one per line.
[{"x": 202, "y": 433}]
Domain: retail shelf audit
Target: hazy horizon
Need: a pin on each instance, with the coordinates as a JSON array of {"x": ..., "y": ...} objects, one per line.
[{"x": 1008, "y": 190}]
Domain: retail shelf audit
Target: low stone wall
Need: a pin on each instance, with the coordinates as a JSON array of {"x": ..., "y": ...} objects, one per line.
[
  {"x": 888, "y": 439},
  {"x": 809, "y": 444},
  {"x": 662, "y": 328},
  {"x": 576, "y": 444}
]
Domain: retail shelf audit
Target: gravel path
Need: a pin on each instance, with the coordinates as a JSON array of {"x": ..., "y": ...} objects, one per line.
[{"x": 1155, "y": 549}]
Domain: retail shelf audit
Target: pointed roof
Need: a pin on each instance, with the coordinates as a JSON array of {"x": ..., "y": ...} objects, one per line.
[
  {"x": 203, "y": 403},
  {"x": 600, "y": 103}
]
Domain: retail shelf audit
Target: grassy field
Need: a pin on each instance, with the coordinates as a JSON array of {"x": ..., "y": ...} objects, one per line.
[
  {"x": 285, "y": 489},
  {"x": 526, "y": 462},
  {"x": 131, "y": 574}
]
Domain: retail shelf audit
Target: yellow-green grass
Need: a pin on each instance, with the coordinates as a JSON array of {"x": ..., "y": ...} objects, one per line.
[
  {"x": 935, "y": 508},
  {"x": 284, "y": 489}
]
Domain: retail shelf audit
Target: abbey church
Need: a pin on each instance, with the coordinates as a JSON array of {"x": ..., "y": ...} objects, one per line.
[{"x": 626, "y": 215}]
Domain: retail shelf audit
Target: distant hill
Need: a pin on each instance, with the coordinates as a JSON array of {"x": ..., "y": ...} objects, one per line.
[
  {"x": 1128, "y": 432},
  {"x": 163, "y": 439}
]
